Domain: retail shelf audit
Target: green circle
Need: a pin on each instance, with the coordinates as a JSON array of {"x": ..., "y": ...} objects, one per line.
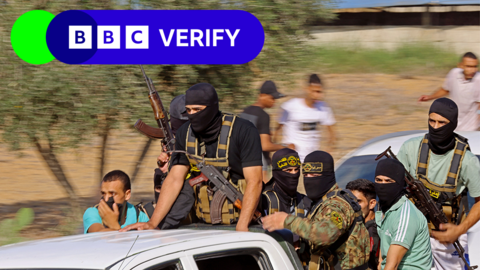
[{"x": 29, "y": 37}]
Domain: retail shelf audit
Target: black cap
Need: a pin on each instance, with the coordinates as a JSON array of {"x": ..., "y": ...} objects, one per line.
[
  {"x": 269, "y": 88},
  {"x": 177, "y": 108}
]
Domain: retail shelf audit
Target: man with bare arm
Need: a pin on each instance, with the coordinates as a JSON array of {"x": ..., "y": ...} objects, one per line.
[
  {"x": 239, "y": 149},
  {"x": 462, "y": 85}
]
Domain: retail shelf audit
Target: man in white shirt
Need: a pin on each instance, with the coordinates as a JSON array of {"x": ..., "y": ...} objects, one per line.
[
  {"x": 302, "y": 118},
  {"x": 462, "y": 84}
]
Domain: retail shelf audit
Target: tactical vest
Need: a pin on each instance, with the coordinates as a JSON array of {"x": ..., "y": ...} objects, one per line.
[
  {"x": 444, "y": 194},
  {"x": 203, "y": 192},
  {"x": 324, "y": 258},
  {"x": 274, "y": 203}
]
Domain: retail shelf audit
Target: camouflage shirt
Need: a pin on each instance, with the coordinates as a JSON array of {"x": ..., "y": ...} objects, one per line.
[{"x": 332, "y": 219}]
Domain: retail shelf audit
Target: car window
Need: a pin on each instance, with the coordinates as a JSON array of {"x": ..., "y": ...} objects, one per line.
[
  {"x": 170, "y": 265},
  {"x": 356, "y": 167},
  {"x": 236, "y": 259}
]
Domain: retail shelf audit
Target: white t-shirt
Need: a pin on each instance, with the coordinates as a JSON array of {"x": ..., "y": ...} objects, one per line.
[
  {"x": 301, "y": 124},
  {"x": 465, "y": 94}
]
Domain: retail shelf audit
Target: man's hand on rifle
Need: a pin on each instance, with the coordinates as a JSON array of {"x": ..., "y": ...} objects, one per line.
[
  {"x": 448, "y": 233},
  {"x": 140, "y": 226},
  {"x": 162, "y": 161}
]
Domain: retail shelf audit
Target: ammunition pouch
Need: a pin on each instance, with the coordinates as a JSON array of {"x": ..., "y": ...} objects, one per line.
[
  {"x": 213, "y": 207},
  {"x": 444, "y": 195}
]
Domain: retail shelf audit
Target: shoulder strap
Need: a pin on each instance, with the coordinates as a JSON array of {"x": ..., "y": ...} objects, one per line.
[
  {"x": 225, "y": 133},
  {"x": 348, "y": 196},
  {"x": 300, "y": 207},
  {"x": 423, "y": 156},
  {"x": 458, "y": 154},
  {"x": 319, "y": 203},
  {"x": 274, "y": 204}
]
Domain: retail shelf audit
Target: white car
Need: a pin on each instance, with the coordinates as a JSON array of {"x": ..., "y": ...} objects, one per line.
[
  {"x": 360, "y": 163},
  {"x": 154, "y": 249}
]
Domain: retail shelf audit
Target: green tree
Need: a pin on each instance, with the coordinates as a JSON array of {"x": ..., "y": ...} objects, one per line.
[{"x": 57, "y": 106}]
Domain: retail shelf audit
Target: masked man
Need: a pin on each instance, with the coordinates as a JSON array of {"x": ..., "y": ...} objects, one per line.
[
  {"x": 334, "y": 226},
  {"x": 229, "y": 143},
  {"x": 113, "y": 212},
  {"x": 403, "y": 229},
  {"x": 281, "y": 192},
  {"x": 442, "y": 161},
  {"x": 181, "y": 207}
]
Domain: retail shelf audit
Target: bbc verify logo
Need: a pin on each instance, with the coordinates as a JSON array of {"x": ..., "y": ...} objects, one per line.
[
  {"x": 153, "y": 37},
  {"x": 108, "y": 37}
]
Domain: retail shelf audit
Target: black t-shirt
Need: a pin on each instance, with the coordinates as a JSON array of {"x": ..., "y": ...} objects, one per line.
[
  {"x": 261, "y": 120},
  {"x": 258, "y": 117},
  {"x": 372, "y": 231},
  {"x": 245, "y": 148}
]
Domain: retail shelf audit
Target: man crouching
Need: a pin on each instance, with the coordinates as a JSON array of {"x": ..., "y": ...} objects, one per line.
[{"x": 113, "y": 212}]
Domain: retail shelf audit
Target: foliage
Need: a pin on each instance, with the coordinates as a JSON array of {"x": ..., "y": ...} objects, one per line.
[
  {"x": 10, "y": 228},
  {"x": 410, "y": 59}
]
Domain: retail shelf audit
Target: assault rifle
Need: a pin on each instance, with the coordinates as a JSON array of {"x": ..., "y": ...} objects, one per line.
[
  {"x": 164, "y": 132},
  {"x": 221, "y": 187},
  {"x": 424, "y": 203}
]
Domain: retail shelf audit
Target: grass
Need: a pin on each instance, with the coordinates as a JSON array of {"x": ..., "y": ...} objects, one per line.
[{"x": 414, "y": 59}]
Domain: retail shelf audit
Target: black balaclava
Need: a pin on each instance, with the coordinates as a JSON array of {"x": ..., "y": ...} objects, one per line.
[
  {"x": 287, "y": 182},
  {"x": 441, "y": 140},
  {"x": 318, "y": 162},
  {"x": 178, "y": 113},
  {"x": 207, "y": 122},
  {"x": 389, "y": 194},
  {"x": 158, "y": 179}
]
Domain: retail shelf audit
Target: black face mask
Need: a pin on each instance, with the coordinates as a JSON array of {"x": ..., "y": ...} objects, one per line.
[
  {"x": 122, "y": 207},
  {"x": 389, "y": 194},
  {"x": 316, "y": 187},
  {"x": 286, "y": 181},
  {"x": 206, "y": 123},
  {"x": 442, "y": 140},
  {"x": 176, "y": 123}
]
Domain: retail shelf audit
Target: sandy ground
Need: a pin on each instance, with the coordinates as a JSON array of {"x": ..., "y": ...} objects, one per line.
[{"x": 365, "y": 106}]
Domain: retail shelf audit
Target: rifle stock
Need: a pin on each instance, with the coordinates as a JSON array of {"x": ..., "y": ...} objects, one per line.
[{"x": 424, "y": 202}]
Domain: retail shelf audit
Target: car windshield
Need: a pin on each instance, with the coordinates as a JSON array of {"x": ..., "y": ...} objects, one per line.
[{"x": 364, "y": 167}]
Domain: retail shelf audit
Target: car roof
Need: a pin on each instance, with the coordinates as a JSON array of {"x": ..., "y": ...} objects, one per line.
[
  {"x": 103, "y": 249},
  {"x": 379, "y": 144}
]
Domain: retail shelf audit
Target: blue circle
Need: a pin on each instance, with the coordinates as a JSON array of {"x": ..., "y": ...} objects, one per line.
[{"x": 58, "y": 38}]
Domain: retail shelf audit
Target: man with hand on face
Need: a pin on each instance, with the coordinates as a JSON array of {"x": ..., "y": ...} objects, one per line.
[
  {"x": 463, "y": 86},
  {"x": 301, "y": 119},
  {"x": 261, "y": 120},
  {"x": 334, "y": 226},
  {"x": 226, "y": 142},
  {"x": 441, "y": 160},
  {"x": 403, "y": 229},
  {"x": 116, "y": 185},
  {"x": 281, "y": 193},
  {"x": 364, "y": 190}
]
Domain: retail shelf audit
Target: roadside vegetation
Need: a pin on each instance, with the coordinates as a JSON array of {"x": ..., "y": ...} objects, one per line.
[{"x": 407, "y": 60}]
